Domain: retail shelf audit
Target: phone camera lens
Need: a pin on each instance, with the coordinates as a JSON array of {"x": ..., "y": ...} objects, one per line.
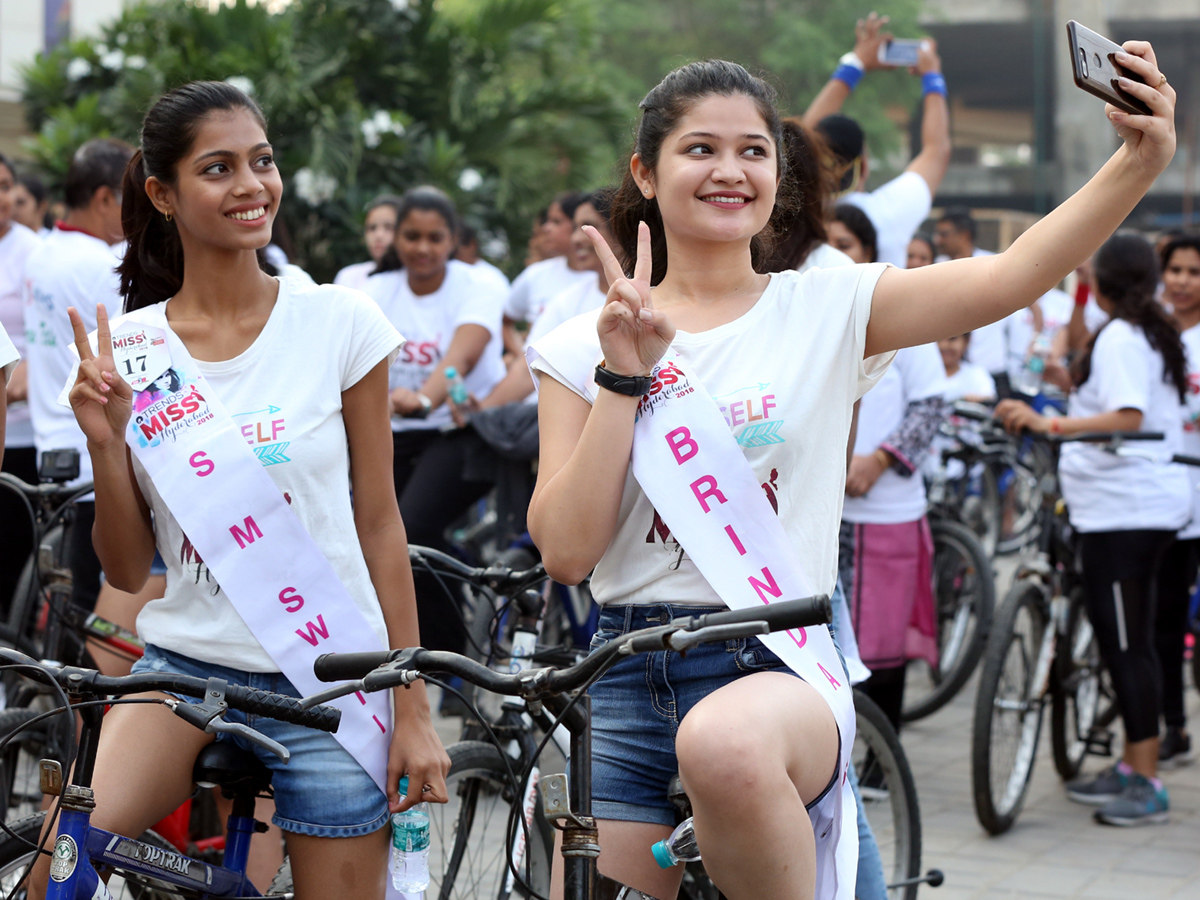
[
  {"x": 1083, "y": 61},
  {"x": 1096, "y": 61}
]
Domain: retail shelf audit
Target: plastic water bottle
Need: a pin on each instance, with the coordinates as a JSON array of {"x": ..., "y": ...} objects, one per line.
[
  {"x": 458, "y": 390},
  {"x": 410, "y": 846},
  {"x": 680, "y": 847},
  {"x": 1035, "y": 365}
]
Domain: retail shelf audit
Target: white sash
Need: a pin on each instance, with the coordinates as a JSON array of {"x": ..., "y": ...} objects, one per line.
[
  {"x": 692, "y": 470},
  {"x": 263, "y": 557}
]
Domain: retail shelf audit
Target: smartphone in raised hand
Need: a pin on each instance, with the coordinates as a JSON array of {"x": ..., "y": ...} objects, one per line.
[
  {"x": 899, "y": 53},
  {"x": 1096, "y": 70}
]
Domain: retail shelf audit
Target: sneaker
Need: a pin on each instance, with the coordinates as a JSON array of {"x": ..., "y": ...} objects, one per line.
[
  {"x": 1102, "y": 789},
  {"x": 1143, "y": 802},
  {"x": 1175, "y": 749}
]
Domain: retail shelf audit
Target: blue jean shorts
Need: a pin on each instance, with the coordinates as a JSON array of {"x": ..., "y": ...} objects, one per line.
[
  {"x": 638, "y": 704},
  {"x": 322, "y": 790}
]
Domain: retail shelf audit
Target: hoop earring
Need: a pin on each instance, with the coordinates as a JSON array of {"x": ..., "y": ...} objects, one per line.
[{"x": 168, "y": 217}]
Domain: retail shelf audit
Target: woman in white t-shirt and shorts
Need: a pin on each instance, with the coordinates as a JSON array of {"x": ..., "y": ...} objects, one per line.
[
  {"x": 199, "y": 199},
  {"x": 753, "y": 744},
  {"x": 1126, "y": 510}
]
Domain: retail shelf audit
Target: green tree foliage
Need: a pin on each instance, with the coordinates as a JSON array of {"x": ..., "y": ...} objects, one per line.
[{"x": 493, "y": 101}]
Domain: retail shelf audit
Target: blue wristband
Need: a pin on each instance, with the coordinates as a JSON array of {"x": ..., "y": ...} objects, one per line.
[
  {"x": 849, "y": 74},
  {"x": 933, "y": 83}
]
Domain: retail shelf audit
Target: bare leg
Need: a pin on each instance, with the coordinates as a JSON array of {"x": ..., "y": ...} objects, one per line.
[
  {"x": 1142, "y": 757},
  {"x": 751, "y": 755},
  {"x": 339, "y": 867},
  {"x": 626, "y": 858},
  {"x": 122, "y": 608},
  {"x": 143, "y": 772}
]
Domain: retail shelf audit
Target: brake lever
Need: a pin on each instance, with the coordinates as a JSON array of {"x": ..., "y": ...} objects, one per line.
[
  {"x": 685, "y": 640},
  {"x": 217, "y": 725},
  {"x": 335, "y": 692}
]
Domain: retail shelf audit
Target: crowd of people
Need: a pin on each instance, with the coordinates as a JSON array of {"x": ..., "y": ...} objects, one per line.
[{"x": 830, "y": 324}]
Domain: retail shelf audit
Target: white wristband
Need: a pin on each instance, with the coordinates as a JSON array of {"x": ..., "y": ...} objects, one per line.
[{"x": 851, "y": 59}]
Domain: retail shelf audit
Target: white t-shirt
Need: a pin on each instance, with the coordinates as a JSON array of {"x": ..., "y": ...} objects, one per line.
[
  {"x": 67, "y": 268},
  {"x": 1056, "y": 308},
  {"x": 1105, "y": 492},
  {"x": 288, "y": 405},
  {"x": 9, "y": 357},
  {"x": 485, "y": 269},
  {"x": 824, "y": 256},
  {"x": 969, "y": 381},
  {"x": 355, "y": 275},
  {"x": 15, "y": 247},
  {"x": 428, "y": 323},
  {"x": 538, "y": 285},
  {"x": 897, "y": 210},
  {"x": 581, "y": 297},
  {"x": 1191, "y": 427},
  {"x": 789, "y": 411},
  {"x": 916, "y": 374}
]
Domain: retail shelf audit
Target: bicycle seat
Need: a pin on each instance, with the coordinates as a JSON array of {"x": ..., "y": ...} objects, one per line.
[{"x": 225, "y": 765}]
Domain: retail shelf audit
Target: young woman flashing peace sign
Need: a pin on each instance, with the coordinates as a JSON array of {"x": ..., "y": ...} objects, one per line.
[{"x": 785, "y": 355}]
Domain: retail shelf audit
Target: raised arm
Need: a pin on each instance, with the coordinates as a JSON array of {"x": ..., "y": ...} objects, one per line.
[
  {"x": 916, "y": 306},
  {"x": 868, "y": 36},
  {"x": 934, "y": 159}
]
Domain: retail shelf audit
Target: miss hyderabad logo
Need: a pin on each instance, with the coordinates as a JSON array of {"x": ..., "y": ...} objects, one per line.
[
  {"x": 669, "y": 381},
  {"x": 168, "y": 407}
]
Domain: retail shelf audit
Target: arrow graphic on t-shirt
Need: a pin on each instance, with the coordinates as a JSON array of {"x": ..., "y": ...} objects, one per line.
[
  {"x": 270, "y": 410},
  {"x": 272, "y": 453},
  {"x": 761, "y": 386},
  {"x": 760, "y": 435}
]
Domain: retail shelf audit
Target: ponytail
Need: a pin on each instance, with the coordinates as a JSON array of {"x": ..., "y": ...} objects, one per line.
[{"x": 152, "y": 270}]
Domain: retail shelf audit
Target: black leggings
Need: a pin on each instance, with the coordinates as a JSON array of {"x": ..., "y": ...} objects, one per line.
[
  {"x": 433, "y": 490},
  {"x": 1176, "y": 576},
  {"x": 16, "y": 531},
  {"x": 1119, "y": 579}
]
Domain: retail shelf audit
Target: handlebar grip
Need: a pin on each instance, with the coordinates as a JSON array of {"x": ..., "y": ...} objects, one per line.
[
  {"x": 285, "y": 709},
  {"x": 349, "y": 666},
  {"x": 802, "y": 613}
]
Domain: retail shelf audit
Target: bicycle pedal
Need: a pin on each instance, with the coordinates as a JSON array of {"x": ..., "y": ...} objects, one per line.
[{"x": 1099, "y": 743}]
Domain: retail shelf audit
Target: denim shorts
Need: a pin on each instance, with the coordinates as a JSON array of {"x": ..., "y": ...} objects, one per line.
[
  {"x": 638, "y": 704},
  {"x": 322, "y": 790}
]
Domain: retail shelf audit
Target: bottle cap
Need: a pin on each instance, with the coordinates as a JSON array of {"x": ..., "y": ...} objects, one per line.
[
  {"x": 451, "y": 372},
  {"x": 662, "y": 855},
  {"x": 404, "y": 786}
]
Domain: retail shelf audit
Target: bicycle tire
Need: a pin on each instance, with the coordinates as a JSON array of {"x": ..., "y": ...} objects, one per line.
[
  {"x": 1000, "y": 777},
  {"x": 16, "y": 855},
  {"x": 468, "y": 848},
  {"x": 895, "y": 818},
  {"x": 964, "y": 587},
  {"x": 1025, "y": 491},
  {"x": 20, "y": 794},
  {"x": 1078, "y": 689}
]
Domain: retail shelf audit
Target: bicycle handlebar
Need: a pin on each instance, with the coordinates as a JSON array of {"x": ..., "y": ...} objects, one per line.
[
  {"x": 75, "y": 680},
  {"x": 390, "y": 668},
  {"x": 50, "y": 489},
  {"x": 500, "y": 579}
]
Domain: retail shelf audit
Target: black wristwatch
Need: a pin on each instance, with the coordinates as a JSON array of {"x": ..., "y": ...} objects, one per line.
[{"x": 629, "y": 385}]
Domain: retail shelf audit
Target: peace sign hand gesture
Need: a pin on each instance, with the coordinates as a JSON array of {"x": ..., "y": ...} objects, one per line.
[
  {"x": 101, "y": 399},
  {"x": 633, "y": 334}
]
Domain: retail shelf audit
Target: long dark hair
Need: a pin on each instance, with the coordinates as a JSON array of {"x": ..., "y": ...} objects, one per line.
[
  {"x": 860, "y": 225},
  {"x": 152, "y": 270},
  {"x": 662, "y": 109},
  {"x": 808, "y": 187},
  {"x": 1126, "y": 273},
  {"x": 425, "y": 198}
]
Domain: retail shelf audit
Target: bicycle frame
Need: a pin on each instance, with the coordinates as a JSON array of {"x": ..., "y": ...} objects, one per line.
[{"x": 80, "y": 847}]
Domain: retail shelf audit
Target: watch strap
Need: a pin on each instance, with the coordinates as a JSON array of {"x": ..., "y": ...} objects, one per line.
[{"x": 629, "y": 385}]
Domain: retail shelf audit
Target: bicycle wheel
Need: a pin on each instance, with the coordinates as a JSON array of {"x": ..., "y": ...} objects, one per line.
[
  {"x": 890, "y": 800},
  {"x": 1083, "y": 702},
  {"x": 16, "y": 853},
  {"x": 20, "y": 793},
  {"x": 964, "y": 590},
  {"x": 1008, "y": 709},
  {"x": 981, "y": 510},
  {"x": 468, "y": 849}
]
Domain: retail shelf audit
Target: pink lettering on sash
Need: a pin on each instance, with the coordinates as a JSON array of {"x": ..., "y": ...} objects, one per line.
[
  {"x": 798, "y": 641},
  {"x": 770, "y": 586},
  {"x": 736, "y": 540},
  {"x": 246, "y": 537},
  {"x": 704, "y": 487},
  {"x": 289, "y": 596},
  {"x": 200, "y": 461},
  {"x": 380, "y": 724},
  {"x": 682, "y": 445},
  {"x": 313, "y": 630},
  {"x": 836, "y": 684}
]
